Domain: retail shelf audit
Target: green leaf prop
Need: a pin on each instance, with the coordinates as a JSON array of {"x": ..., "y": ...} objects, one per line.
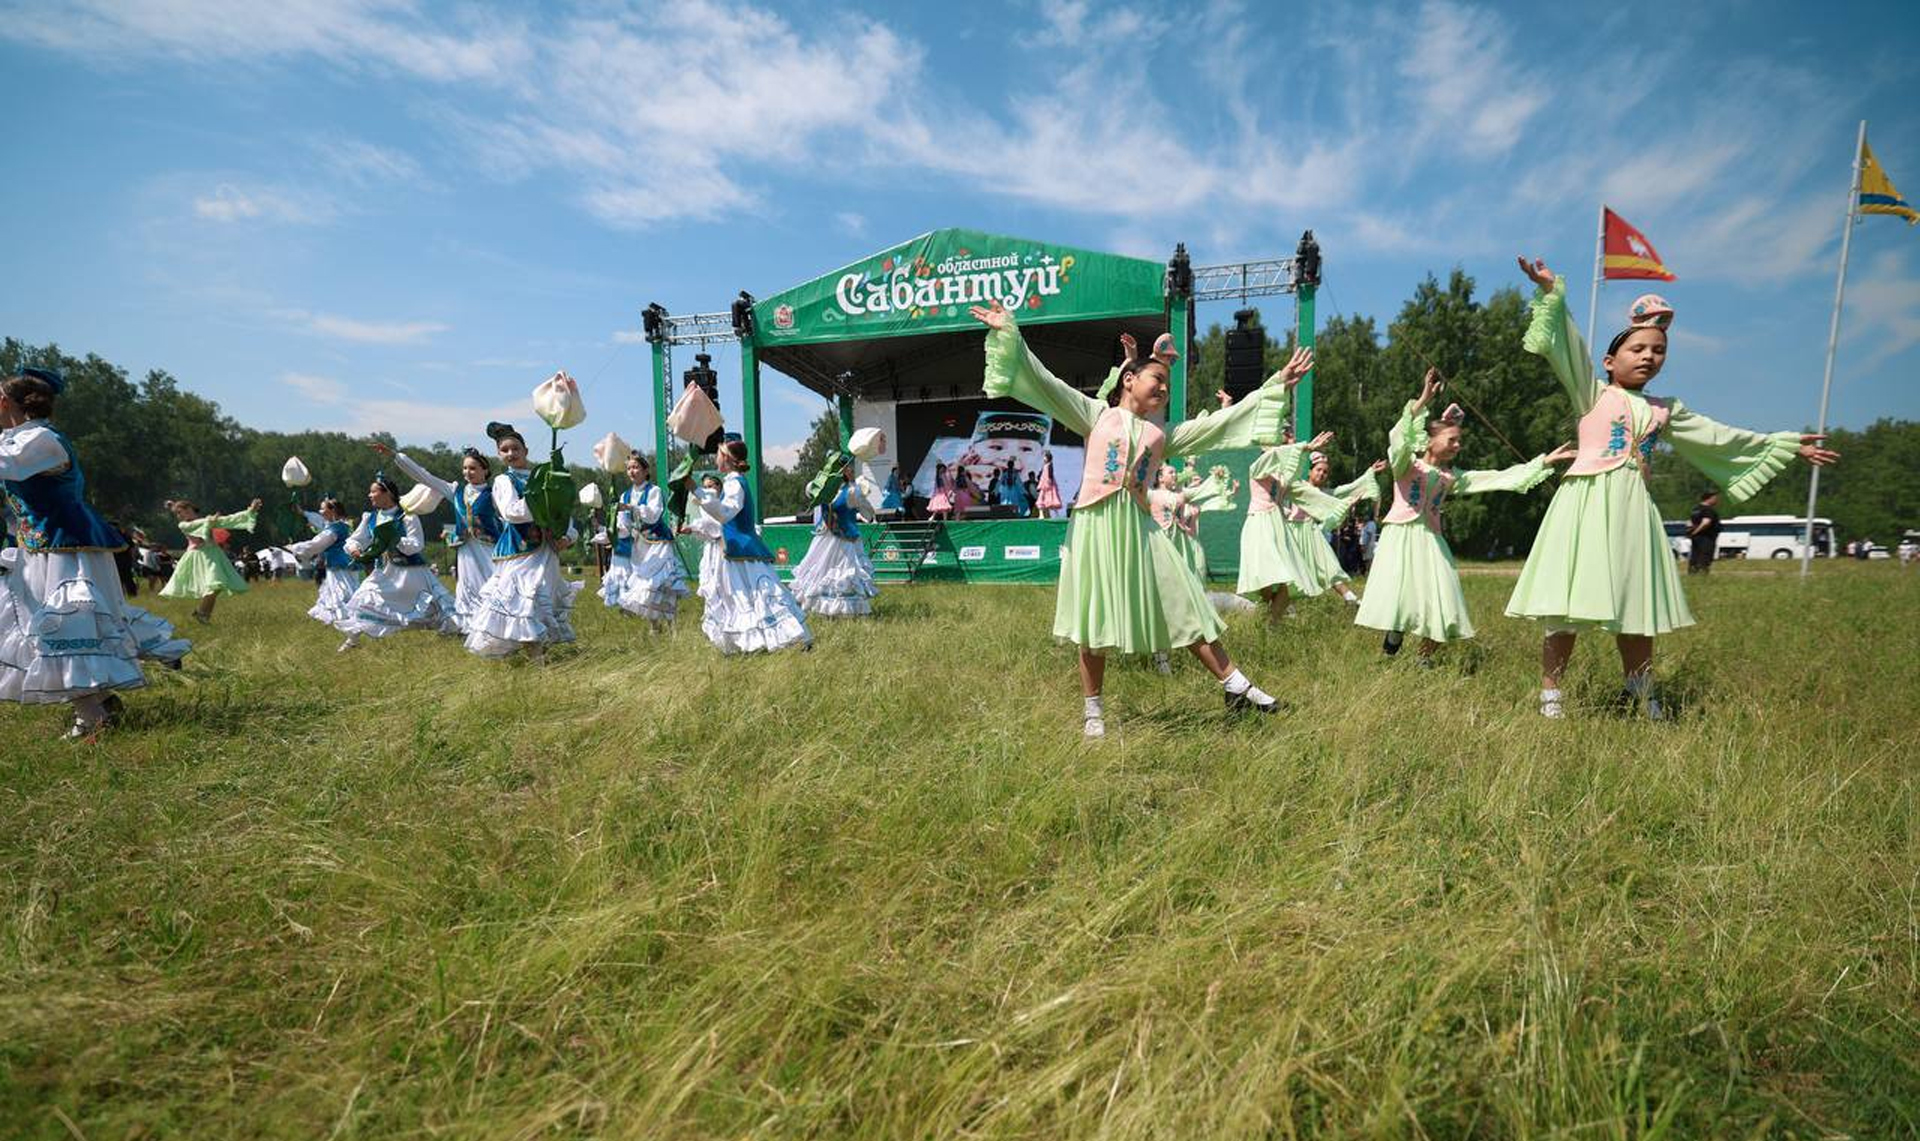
[
  {"x": 290, "y": 523},
  {"x": 552, "y": 494},
  {"x": 385, "y": 534}
]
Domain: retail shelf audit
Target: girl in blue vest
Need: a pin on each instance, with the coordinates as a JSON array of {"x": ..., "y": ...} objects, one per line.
[
  {"x": 748, "y": 608},
  {"x": 644, "y": 577},
  {"x": 476, "y": 523},
  {"x": 400, "y": 592},
  {"x": 528, "y": 603},
  {"x": 836, "y": 577},
  {"x": 342, "y": 575},
  {"x": 68, "y": 634}
]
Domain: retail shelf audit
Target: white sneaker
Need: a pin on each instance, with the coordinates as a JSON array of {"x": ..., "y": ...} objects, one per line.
[
  {"x": 1553, "y": 711},
  {"x": 352, "y": 642},
  {"x": 1655, "y": 711},
  {"x": 1162, "y": 666},
  {"x": 1096, "y": 727}
]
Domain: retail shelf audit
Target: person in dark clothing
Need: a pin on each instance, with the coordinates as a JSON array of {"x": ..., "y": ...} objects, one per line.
[{"x": 1703, "y": 531}]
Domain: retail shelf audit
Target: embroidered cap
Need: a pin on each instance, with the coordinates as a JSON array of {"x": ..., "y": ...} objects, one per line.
[
  {"x": 1650, "y": 310},
  {"x": 52, "y": 377}
]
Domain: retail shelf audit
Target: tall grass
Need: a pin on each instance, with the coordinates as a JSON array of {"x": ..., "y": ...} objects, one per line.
[{"x": 883, "y": 890}]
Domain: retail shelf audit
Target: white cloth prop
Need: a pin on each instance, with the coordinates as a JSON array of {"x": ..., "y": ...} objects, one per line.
[
  {"x": 590, "y": 496},
  {"x": 420, "y": 500},
  {"x": 611, "y": 454},
  {"x": 867, "y": 443},
  {"x": 694, "y": 418},
  {"x": 293, "y": 473},
  {"x": 557, "y": 401}
]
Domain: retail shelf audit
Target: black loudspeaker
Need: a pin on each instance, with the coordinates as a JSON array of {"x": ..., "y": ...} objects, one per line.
[{"x": 1246, "y": 363}]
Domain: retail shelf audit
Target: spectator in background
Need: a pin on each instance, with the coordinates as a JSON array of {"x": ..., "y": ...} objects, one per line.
[
  {"x": 1369, "y": 534},
  {"x": 1863, "y": 549},
  {"x": 1703, "y": 532}
]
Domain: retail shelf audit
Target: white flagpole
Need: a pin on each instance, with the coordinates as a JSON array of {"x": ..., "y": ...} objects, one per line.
[
  {"x": 1833, "y": 339},
  {"x": 1599, "y": 262}
]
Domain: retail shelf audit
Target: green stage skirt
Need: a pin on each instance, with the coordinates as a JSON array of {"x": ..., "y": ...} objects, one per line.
[
  {"x": 1123, "y": 587},
  {"x": 1414, "y": 587},
  {"x": 203, "y": 571},
  {"x": 1601, "y": 561},
  {"x": 1272, "y": 554}
]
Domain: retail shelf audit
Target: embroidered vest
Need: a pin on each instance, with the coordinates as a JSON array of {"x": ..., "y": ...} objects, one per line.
[
  {"x": 1164, "y": 505},
  {"x": 474, "y": 515},
  {"x": 1115, "y": 462},
  {"x": 839, "y": 517},
  {"x": 393, "y": 554},
  {"x": 517, "y": 539},
  {"x": 51, "y": 513},
  {"x": 1420, "y": 495},
  {"x": 336, "y": 557},
  {"x": 1619, "y": 428},
  {"x": 739, "y": 534},
  {"x": 1266, "y": 494},
  {"x": 632, "y": 499}
]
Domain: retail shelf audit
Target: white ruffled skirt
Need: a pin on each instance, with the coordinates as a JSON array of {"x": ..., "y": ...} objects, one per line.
[
  {"x": 527, "y": 602},
  {"x": 66, "y": 631},
  {"x": 334, "y": 604},
  {"x": 395, "y": 598},
  {"x": 650, "y": 586},
  {"x": 473, "y": 566},
  {"x": 748, "y": 608},
  {"x": 835, "y": 578}
]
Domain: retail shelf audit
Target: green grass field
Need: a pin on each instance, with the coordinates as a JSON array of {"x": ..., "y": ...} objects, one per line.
[{"x": 882, "y": 890}]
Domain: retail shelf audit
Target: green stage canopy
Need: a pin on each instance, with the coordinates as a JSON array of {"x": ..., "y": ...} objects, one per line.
[{"x": 897, "y": 320}]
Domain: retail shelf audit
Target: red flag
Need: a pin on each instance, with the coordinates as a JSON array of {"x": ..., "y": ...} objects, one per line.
[{"x": 1629, "y": 253}]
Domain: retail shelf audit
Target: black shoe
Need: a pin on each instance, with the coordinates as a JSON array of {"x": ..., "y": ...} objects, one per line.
[
  {"x": 114, "y": 708},
  {"x": 1390, "y": 645},
  {"x": 1241, "y": 703}
]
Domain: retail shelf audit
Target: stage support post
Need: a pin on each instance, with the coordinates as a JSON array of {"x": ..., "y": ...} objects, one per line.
[
  {"x": 750, "y": 418},
  {"x": 1179, "y": 322},
  {"x": 662, "y": 460},
  {"x": 1306, "y": 279},
  {"x": 845, "y": 403}
]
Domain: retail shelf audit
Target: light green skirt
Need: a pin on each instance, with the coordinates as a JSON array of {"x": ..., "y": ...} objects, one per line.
[
  {"x": 1124, "y": 589},
  {"x": 1272, "y": 554},
  {"x": 1601, "y": 561},
  {"x": 1326, "y": 567},
  {"x": 1190, "y": 550},
  {"x": 203, "y": 571},
  {"x": 1414, "y": 587}
]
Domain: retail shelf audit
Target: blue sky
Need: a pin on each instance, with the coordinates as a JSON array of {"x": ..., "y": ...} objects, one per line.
[{"x": 379, "y": 214}]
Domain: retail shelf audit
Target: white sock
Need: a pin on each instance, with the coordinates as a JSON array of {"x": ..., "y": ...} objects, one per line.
[
  {"x": 1550, "y": 705},
  {"x": 1236, "y": 682},
  {"x": 1093, "y": 707}
]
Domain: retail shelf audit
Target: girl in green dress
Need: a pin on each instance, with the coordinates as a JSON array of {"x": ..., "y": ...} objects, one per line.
[
  {"x": 1414, "y": 587},
  {"x": 1312, "y": 511},
  {"x": 203, "y": 571},
  {"x": 1601, "y": 560},
  {"x": 1122, "y": 585}
]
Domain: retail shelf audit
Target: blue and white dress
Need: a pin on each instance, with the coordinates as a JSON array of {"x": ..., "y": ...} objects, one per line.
[
  {"x": 66, "y": 630},
  {"x": 836, "y": 577},
  {"x": 644, "y": 576},
  {"x": 328, "y": 547},
  {"x": 528, "y": 601},
  {"x": 402, "y": 592},
  {"x": 476, "y": 529},
  {"x": 748, "y": 608}
]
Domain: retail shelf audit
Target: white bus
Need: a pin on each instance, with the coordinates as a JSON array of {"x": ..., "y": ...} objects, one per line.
[{"x": 1774, "y": 537}]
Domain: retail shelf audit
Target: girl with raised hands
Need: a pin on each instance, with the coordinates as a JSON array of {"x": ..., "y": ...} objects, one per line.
[
  {"x": 400, "y": 591},
  {"x": 1414, "y": 587},
  {"x": 340, "y": 575},
  {"x": 527, "y": 603},
  {"x": 1178, "y": 519},
  {"x": 476, "y": 522},
  {"x": 748, "y": 609},
  {"x": 67, "y": 633},
  {"x": 204, "y": 571},
  {"x": 1274, "y": 558},
  {"x": 1123, "y": 587},
  {"x": 1601, "y": 561},
  {"x": 835, "y": 579},
  {"x": 644, "y": 577},
  {"x": 1312, "y": 511}
]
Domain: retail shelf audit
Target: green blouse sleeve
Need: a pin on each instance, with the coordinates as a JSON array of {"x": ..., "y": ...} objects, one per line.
[
  {"x": 1013, "y": 371},
  {"x": 1519, "y": 477},
  {"x": 239, "y": 520},
  {"x": 1552, "y": 334},
  {"x": 1325, "y": 509},
  {"x": 1400, "y": 440},
  {"x": 1282, "y": 463},
  {"x": 1254, "y": 420},
  {"x": 1738, "y": 460},
  {"x": 1363, "y": 486}
]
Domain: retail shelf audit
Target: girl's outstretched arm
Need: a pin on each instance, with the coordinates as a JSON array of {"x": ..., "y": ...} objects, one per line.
[
  {"x": 1738, "y": 460},
  {"x": 1013, "y": 371},
  {"x": 1552, "y": 334}
]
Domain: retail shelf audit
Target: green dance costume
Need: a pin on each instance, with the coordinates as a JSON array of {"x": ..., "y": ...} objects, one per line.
[
  {"x": 203, "y": 569},
  {"x": 1123, "y": 586},
  {"x": 1601, "y": 559}
]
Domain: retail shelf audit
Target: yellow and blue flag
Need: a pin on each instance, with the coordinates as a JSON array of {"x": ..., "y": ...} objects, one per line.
[{"x": 1877, "y": 193}]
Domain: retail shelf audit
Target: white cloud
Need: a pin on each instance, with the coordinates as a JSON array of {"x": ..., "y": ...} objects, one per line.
[
  {"x": 781, "y": 455},
  {"x": 1883, "y": 303},
  {"x": 851, "y": 224},
  {"x": 362, "y": 163},
  {"x": 319, "y": 389},
  {"x": 231, "y": 203},
  {"x": 1467, "y": 91},
  {"x": 629, "y": 337},
  {"x": 362, "y": 332},
  {"x": 409, "y": 419}
]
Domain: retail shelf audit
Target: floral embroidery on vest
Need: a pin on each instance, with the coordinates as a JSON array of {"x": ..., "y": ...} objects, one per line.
[
  {"x": 1113, "y": 460},
  {"x": 1617, "y": 436}
]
